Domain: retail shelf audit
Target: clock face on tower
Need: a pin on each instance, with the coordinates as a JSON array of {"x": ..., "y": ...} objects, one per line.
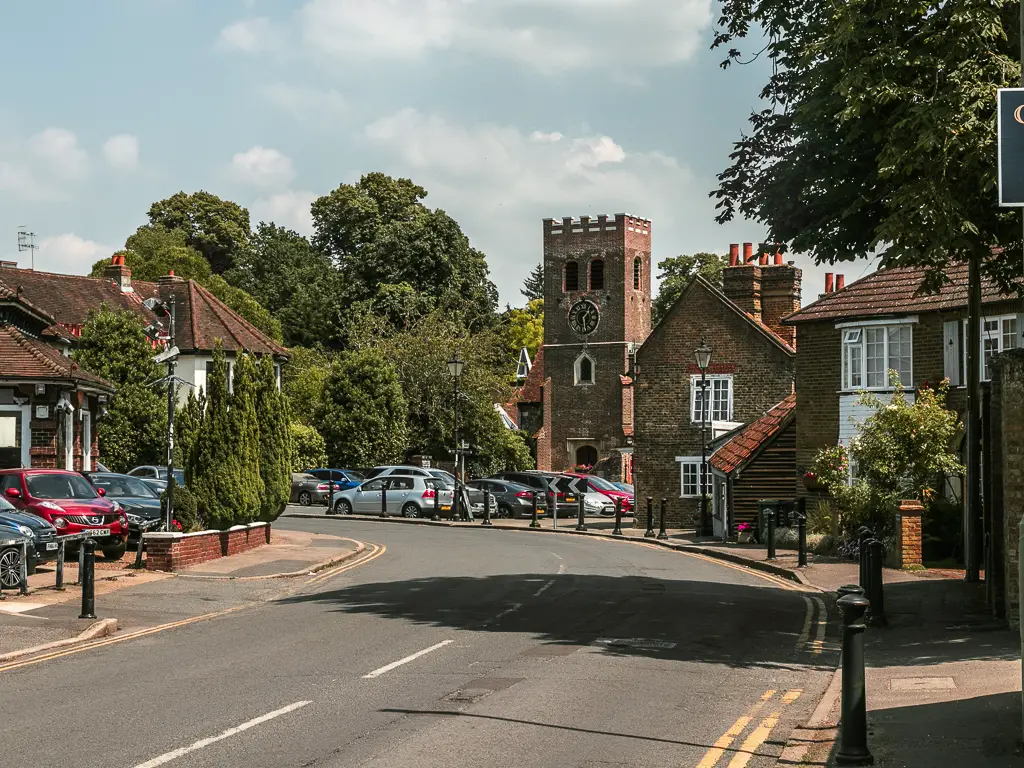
[{"x": 584, "y": 317}]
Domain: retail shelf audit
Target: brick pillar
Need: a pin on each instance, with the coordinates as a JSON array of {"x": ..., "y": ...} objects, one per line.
[
  {"x": 1011, "y": 409},
  {"x": 910, "y": 532}
]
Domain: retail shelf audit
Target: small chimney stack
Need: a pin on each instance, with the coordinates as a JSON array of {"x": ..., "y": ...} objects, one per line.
[
  {"x": 840, "y": 282},
  {"x": 734, "y": 254},
  {"x": 828, "y": 282},
  {"x": 748, "y": 253},
  {"x": 780, "y": 296},
  {"x": 741, "y": 280},
  {"x": 119, "y": 273}
]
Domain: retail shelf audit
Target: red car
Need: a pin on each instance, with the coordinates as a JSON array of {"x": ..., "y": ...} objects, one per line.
[
  {"x": 70, "y": 503},
  {"x": 600, "y": 485}
]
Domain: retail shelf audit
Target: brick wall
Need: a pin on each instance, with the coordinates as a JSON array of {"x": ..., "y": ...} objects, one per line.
[
  {"x": 175, "y": 551},
  {"x": 910, "y": 533},
  {"x": 1011, "y": 410},
  {"x": 762, "y": 377},
  {"x": 818, "y": 371}
]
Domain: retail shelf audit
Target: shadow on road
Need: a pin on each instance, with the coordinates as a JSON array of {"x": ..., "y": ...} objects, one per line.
[{"x": 731, "y": 624}]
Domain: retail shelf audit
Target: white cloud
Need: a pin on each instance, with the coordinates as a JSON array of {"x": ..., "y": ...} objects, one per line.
[
  {"x": 262, "y": 167},
  {"x": 550, "y": 35},
  {"x": 70, "y": 254},
  {"x": 255, "y": 35},
  {"x": 122, "y": 151},
  {"x": 59, "y": 149},
  {"x": 545, "y": 138},
  {"x": 287, "y": 209},
  {"x": 308, "y": 103}
]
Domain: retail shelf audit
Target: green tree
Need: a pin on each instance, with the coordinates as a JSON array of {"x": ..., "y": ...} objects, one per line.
[
  {"x": 676, "y": 272},
  {"x": 302, "y": 382},
  {"x": 188, "y": 423},
  {"x": 245, "y": 430},
  {"x": 879, "y": 132},
  {"x": 134, "y": 431},
  {"x": 274, "y": 442},
  {"x": 363, "y": 413},
  {"x": 533, "y": 286},
  {"x": 308, "y": 447},
  {"x": 218, "y": 229},
  {"x": 525, "y": 328}
]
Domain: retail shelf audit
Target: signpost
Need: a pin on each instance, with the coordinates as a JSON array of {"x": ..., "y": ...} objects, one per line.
[{"x": 1011, "y": 147}]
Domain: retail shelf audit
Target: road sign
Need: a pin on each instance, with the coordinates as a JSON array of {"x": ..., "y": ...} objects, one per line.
[
  {"x": 578, "y": 485},
  {"x": 1011, "y": 147}
]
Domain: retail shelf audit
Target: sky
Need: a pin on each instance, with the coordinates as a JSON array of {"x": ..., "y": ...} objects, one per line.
[{"x": 506, "y": 111}]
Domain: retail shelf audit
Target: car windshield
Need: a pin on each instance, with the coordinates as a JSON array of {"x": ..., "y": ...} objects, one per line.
[
  {"x": 121, "y": 487},
  {"x": 624, "y": 487},
  {"x": 601, "y": 484},
  {"x": 60, "y": 487}
]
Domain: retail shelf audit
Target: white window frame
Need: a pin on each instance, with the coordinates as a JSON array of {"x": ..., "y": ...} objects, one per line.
[
  {"x": 686, "y": 462},
  {"x": 26, "y": 430},
  {"x": 854, "y": 336},
  {"x": 86, "y": 419},
  {"x": 576, "y": 370},
  {"x": 999, "y": 339},
  {"x": 695, "y": 387}
]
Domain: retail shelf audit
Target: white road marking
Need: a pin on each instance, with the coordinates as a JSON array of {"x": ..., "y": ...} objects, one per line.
[
  {"x": 819, "y": 639},
  {"x": 555, "y": 555},
  {"x": 541, "y": 591},
  {"x": 6, "y": 607},
  {"x": 174, "y": 755},
  {"x": 805, "y": 634},
  {"x": 407, "y": 659}
]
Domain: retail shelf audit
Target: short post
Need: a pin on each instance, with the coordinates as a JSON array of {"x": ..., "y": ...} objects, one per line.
[
  {"x": 801, "y": 530},
  {"x": 23, "y": 570},
  {"x": 850, "y": 589},
  {"x": 88, "y": 579},
  {"x": 618, "y": 517},
  {"x": 863, "y": 534},
  {"x": 662, "y": 533},
  {"x": 60, "y": 566},
  {"x": 876, "y": 591},
  {"x": 534, "y": 523},
  {"x": 581, "y": 513},
  {"x": 138, "y": 546},
  {"x": 553, "y": 506},
  {"x": 384, "y": 499},
  {"x": 649, "y": 533},
  {"x": 487, "y": 508},
  {"x": 771, "y": 534},
  {"x": 853, "y": 734},
  {"x": 81, "y": 561},
  {"x": 437, "y": 505}
]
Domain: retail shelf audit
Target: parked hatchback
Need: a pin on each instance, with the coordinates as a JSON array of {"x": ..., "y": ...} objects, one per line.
[
  {"x": 70, "y": 503},
  {"x": 307, "y": 489},
  {"x": 43, "y": 546},
  {"x": 511, "y": 500},
  {"x": 140, "y": 503},
  {"x": 407, "y": 495},
  {"x": 343, "y": 479},
  {"x": 600, "y": 485}
]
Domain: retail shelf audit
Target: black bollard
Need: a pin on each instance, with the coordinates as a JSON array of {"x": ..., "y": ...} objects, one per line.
[
  {"x": 437, "y": 504},
  {"x": 60, "y": 566},
  {"x": 81, "y": 562},
  {"x": 384, "y": 499},
  {"x": 618, "y": 517},
  {"x": 876, "y": 591},
  {"x": 853, "y": 734},
  {"x": 771, "y": 535},
  {"x": 534, "y": 522},
  {"x": 801, "y": 530},
  {"x": 850, "y": 589},
  {"x": 649, "y": 533},
  {"x": 138, "y": 547},
  {"x": 581, "y": 513},
  {"x": 662, "y": 533},
  {"x": 88, "y": 579},
  {"x": 863, "y": 534},
  {"x": 23, "y": 570},
  {"x": 487, "y": 508}
]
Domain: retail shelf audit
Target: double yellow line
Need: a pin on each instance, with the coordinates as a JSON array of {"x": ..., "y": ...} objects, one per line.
[
  {"x": 755, "y": 739},
  {"x": 372, "y": 552}
]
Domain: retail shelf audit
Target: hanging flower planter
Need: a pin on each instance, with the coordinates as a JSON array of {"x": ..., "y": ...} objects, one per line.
[{"x": 812, "y": 483}]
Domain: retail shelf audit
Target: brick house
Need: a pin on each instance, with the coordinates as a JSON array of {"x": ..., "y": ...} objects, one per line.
[
  {"x": 751, "y": 372},
  {"x": 42, "y": 318},
  {"x": 850, "y": 337}
]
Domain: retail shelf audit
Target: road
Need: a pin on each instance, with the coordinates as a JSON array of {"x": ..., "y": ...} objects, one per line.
[{"x": 450, "y": 648}]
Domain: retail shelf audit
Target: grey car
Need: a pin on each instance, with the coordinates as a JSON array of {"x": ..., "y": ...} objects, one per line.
[
  {"x": 510, "y": 500},
  {"x": 407, "y": 495},
  {"x": 307, "y": 489}
]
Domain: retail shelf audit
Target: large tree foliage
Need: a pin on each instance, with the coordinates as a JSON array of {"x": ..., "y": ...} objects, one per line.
[
  {"x": 302, "y": 382},
  {"x": 134, "y": 431},
  {"x": 880, "y": 130},
  {"x": 245, "y": 430},
  {"x": 309, "y": 450},
  {"x": 274, "y": 442},
  {"x": 533, "y": 285},
  {"x": 363, "y": 413},
  {"x": 675, "y": 272},
  {"x": 525, "y": 328},
  {"x": 218, "y": 229}
]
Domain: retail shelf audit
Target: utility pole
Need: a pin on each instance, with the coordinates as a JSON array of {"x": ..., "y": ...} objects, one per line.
[{"x": 171, "y": 407}]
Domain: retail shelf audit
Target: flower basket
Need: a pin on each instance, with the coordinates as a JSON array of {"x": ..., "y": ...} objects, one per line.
[{"x": 812, "y": 483}]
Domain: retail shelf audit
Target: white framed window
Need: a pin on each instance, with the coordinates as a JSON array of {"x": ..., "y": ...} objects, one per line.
[
  {"x": 999, "y": 333},
  {"x": 690, "y": 477},
  {"x": 584, "y": 370},
  {"x": 869, "y": 353},
  {"x": 719, "y": 388}
]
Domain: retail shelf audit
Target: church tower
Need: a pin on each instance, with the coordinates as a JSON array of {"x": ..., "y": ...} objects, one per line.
[{"x": 597, "y": 311}]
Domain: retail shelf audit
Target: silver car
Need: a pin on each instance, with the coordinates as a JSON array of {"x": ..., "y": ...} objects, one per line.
[{"x": 407, "y": 496}]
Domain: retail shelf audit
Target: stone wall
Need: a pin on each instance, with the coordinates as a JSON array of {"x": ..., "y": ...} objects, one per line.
[
  {"x": 174, "y": 551},
  {"x": 1010, "y": 392}
]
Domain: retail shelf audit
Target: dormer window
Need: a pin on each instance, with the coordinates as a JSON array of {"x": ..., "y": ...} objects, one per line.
[
  {"x": 583, "y": 375},
  {"x": 572, "y": 276}
]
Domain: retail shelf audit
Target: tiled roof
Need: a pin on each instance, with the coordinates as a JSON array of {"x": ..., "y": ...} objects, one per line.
[
  {"x": 530, "y": 391},
  {"x": 68, "y": 298},
  {"x": 741, "y": 448},
  {"x": 896, "y": 291},
  {"x": 23, "y": 357}
]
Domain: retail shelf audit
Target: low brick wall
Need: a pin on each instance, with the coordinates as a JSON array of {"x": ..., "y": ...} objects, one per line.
[
  {"x": 174, "y": 551},
  {"x": 910, "y": 533}
]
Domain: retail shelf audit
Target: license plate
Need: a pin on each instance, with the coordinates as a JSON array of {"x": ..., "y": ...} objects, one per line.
[
  {"x": 570, "y": 499},
  {"x": 51, "y": 545},
  {"x": 445, "y": 507},
  {"x": 98, "y": 531}
]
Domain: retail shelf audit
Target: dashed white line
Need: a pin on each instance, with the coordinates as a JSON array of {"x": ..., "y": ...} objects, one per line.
[
  {"x": 175, "y": 754},
  {"x": 544, "y": 588},
  {"x": 406, "y": 660}
]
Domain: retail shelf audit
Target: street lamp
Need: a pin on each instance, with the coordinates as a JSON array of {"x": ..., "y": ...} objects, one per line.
[
  {"x": 455, "y": 366},
  {"x": 703, "y": 356},
  {"x": 170, "y": 357}
]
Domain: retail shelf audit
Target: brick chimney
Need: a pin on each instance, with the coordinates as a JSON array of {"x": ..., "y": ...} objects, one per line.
[
  {"x": 169, "y": 279},
  {"x": 118, "y": 271},
  {"x": 780, "y": 296},
  {"x": 742, "y": 283}
]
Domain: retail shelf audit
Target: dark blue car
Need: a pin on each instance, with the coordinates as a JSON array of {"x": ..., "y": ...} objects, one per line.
[
  {"x": 41, "y": 547},
  {"x": 343, "y": 478}
]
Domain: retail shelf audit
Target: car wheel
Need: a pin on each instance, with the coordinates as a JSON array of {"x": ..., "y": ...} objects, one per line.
[
  {"x": 343, "y": 507},
  {"x": 305, "y": 499},
  {"x": 115, "y": 552},
  {"x": 505, "y": 512},
  {"x": 410, "y": 510},
  {"x": 10, "y": 568}
]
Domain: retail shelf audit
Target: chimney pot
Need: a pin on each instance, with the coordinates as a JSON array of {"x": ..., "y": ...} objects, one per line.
[
  {"x": 828, "y": 282},
  {"x": 840, "y": 282},
  {"x": 748, "y": 253},
  {"x": 119, "y": 273},
  {"x": 734, "y": 254},
  {"x": 778, "y": 258},
  {"x": 764, "y": 259}
]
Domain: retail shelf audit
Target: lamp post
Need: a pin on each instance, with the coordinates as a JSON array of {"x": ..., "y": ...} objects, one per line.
[
  {"x": 703, "y": 356},
  {"x": 455, "y": 366},
  {"x": 167, "y": 308}
]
